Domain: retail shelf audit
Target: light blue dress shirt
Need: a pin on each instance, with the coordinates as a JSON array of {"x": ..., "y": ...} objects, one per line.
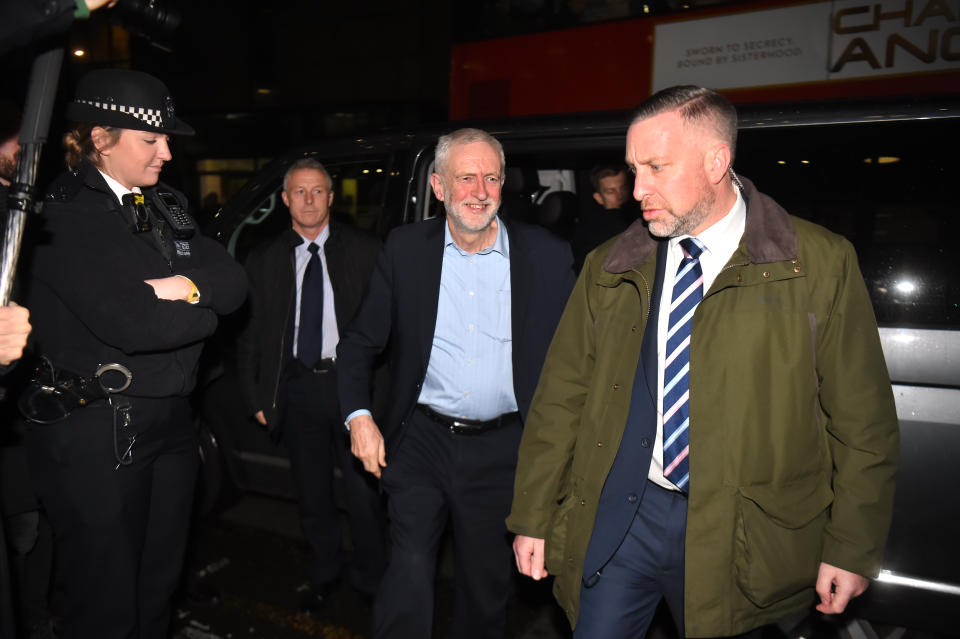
[{"x": 470, "y": 374}]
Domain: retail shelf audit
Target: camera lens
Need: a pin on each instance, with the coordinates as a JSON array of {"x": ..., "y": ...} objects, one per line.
[{"x": 149, "y": 18}]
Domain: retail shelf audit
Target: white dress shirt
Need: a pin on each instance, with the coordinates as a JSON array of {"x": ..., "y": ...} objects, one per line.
[
  {"x": 720, "y": 241},
  {"x": 301, "y": 255}
]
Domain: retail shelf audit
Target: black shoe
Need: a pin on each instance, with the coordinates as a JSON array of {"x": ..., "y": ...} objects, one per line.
[{"x": 315, "y": 599}]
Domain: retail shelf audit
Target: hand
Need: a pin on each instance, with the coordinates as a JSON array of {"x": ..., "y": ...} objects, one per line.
[
  {"x": 528, "y": 551},
  {"x": 366, "y": 444},
  {"x": 14, "y": 329},
  {"x": 837, "y": 587},
  {"x": 260, "y": 417},
  {"x": 171, "y": 288},
  {"x": 93, "y": 5}
]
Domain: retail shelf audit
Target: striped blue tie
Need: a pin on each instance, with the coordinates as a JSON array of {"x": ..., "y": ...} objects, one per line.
[{"x": 687, "y": 293}]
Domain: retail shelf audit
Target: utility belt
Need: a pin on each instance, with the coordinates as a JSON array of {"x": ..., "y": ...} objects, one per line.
[{"x": 53, "y": 394}]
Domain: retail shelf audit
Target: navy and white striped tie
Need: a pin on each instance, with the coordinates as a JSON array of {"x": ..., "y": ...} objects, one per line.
[{"x": 687, "y": 293}]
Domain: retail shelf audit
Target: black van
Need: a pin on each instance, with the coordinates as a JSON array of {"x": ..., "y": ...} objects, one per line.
[{"x": 879, "y": 173}]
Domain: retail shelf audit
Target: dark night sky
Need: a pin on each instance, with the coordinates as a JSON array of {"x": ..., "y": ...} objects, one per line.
[
  {"x": 265, "y": 72},
  {"x": 255, "y": 78}
]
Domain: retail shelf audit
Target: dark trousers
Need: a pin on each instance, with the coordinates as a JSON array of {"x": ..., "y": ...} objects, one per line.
[
  {"x": 119, "y": 533},
  {"x": 6, "y": 601},
  {"x": 433, "y": 477},
  {"x": 647, "y": 566},
  {"x": 30, "y": 542},
  {"x": 316, "y": 439}
]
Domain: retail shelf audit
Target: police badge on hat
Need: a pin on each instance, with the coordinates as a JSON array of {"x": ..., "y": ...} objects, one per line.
[{"x": 127, "y": 99}]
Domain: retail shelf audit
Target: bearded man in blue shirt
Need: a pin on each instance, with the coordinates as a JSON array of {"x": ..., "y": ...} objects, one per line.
[{"x": 468, "y": 304}]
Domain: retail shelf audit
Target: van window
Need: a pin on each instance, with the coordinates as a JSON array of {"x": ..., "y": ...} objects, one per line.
[{"x": 885, "y": 186}]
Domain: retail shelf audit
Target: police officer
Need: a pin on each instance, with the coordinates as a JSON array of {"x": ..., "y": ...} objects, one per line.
[{"x": 123, "y": 290}]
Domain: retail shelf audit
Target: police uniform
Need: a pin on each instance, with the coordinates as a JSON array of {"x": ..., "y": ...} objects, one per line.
[{"x": 121, "y": 517}]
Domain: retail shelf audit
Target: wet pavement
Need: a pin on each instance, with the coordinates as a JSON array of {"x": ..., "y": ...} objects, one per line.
[{"x": 252, "y": 553}]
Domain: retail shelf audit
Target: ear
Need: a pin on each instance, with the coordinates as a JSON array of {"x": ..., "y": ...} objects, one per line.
[
  {"x": 437, "y": 185},
  {"x": 717, "y": 163},
  {"x": 286, "y": 200},
  {"x": 597, "y": 198},
  {"x": 101, "y": 140},
  {"x": 329, "y": 199}
]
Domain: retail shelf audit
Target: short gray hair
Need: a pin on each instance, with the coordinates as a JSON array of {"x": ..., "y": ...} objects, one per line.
[
  {"x": 465, "y": 136},
  {"x": 695, "y": 105},
  {"x": 307, "y": 163}
]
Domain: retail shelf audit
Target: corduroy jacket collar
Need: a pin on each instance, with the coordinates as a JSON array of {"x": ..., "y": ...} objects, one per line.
[{"x": 768, "y": 236}]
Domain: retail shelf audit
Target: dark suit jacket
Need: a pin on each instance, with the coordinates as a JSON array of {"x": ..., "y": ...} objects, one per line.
[
  {"x": 624, "y": 488},
  {"x": 350, "y": 256},
  {"x": 400, "y": 309}
]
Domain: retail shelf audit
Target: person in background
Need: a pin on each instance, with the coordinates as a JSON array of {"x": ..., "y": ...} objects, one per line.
[
  {"x": 614, "y": 212},
  {"x": 305, "y": 287}
]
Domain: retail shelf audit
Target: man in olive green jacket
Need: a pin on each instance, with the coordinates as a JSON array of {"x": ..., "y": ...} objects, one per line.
[{"x": 792, "y": 431}]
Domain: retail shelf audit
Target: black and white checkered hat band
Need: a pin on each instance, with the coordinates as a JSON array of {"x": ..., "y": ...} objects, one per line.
[{"x": 149, "y": 116}]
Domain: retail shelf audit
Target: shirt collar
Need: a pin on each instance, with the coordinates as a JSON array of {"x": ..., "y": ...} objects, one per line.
[
  {"x": 500, "y": 245},
  {"x": 726, "y": 233},
  {"x": 320, "y": 239},
  {"x": 118, "y": 189}
]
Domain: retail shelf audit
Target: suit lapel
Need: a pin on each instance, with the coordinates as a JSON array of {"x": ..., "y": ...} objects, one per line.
[
  {"x": 521, "y": 283},
  {"x": 429, "y": 261},
  {"x": 649, "y": 350}
]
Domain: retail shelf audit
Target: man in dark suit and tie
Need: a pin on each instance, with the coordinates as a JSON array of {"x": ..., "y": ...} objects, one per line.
[
  {"x": 714, "y": 425},
  {"x": 305, "y": 286},
  {"x": 468, "y": 305}
]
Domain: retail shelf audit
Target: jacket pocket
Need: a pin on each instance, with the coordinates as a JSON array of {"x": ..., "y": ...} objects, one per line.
[
  {"x": 779, "y": 538},
  {"x": 556, "y": 544}
]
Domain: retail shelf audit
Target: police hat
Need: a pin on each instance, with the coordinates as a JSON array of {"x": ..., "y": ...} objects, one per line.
[{"x": 126, "y": 99}]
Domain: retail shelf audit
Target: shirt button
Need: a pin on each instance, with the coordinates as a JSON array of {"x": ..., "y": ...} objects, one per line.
[
  {"x": 616, "y": 387},
  {"x": 470, "y": 327},
  {"x": 599, "y": 444},
  {"x": 645, "y": 442},
  {"x": 471, "y": 293},
  {"x": 632, "y": 498}
]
